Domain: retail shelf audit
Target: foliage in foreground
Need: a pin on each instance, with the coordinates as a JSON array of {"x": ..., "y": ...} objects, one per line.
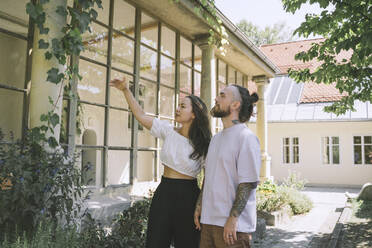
[
  {"x": 272, "y": 197},
  {"x": 346, "y": 27},
  {"x": 36, "y": 183},
  {"x": 128, "y": 231}
]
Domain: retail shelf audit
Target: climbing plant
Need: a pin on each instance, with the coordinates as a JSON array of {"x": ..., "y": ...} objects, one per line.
[
  {"x": 70, "y": 44},
  {"x": 217, "y": 33}
]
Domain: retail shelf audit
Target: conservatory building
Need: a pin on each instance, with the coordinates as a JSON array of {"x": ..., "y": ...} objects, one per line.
[{"x": 160, "y": 47}]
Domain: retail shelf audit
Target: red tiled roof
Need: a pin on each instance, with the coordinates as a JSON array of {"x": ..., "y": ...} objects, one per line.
[{"x": 283, "y": 56}]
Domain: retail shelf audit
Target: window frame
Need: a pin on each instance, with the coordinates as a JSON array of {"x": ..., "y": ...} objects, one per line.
[
  {"x": 291, "y": 146},
  {"x": 330, "y": 145},
  {"x": 362, "y": 144}
]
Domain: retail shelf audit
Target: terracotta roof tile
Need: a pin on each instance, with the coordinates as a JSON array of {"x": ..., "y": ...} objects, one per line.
[{"x": 283, "y": 56}]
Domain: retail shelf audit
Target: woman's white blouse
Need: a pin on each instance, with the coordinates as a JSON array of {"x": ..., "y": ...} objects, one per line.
[{"x": 176, "y": 149}]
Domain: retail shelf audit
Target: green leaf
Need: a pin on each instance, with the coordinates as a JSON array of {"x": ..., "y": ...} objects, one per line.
[
  {"x": 44, "y": 30},
  {"x": 43, "y": 44},
  {"x": 62, "y": 11},
  {"x": 54, "y": 119},
  {"x": 48, "y": 55},
  {"x": 54, "y": 76},
  {"x": 93, "y": 14},
  {"x": 33, "y": 10},
  {"x": 43, "y": 117},
  {"x": 44, "y": 128},
  {"x": 52, "y": 142}
]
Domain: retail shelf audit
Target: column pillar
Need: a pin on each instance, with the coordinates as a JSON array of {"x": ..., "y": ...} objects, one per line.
[
  {"x": 208, "y": 76},
  {"x": 41, "y": 89},
  {"x": 261, "y": 126}
]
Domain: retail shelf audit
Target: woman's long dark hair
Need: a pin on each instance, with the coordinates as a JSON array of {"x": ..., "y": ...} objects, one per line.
[{"x": 199, "y": 133}]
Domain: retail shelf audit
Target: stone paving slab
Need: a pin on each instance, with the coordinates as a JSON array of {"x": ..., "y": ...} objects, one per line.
[{"x": 312, "y": 229}]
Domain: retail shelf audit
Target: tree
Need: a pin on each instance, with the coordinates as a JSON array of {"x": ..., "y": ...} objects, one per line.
[
  {"x": 346, "y": 25},
  {"x": 268, "y": 35}
]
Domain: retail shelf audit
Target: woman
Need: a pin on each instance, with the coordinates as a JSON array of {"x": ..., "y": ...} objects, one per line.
[{"x": 183, "y": 152}]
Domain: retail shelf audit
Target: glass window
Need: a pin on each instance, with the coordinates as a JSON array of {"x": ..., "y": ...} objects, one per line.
[
  {"x": 362, "y": 149},
  {"x": 221, "y": 71},
  {"x": 117, "y": 98},
  {"x": 145, "y": 139},
  {"x": 95, "y": 43},
  {"x": 186, "y": 51},
  {"x": 11, "y": 113},
  {"x": 118, "y": 167},
  {"x": 231, "y": 75},
  {"x": 16, "y": 17},
  {"x": 286, "y": 154},
  {"x": 90, "y": 163},
  {"x": 93, "y": 123},
  {"x": 124, "y": 17},
  {"x": 358, "y": 154},
  {"x": 13, "y": 63},
  {"x": 239, "y": 78},
  {"x": 149, "y": 31},
  {"x": 147, "y": 94},
  {"x": 197, "y": 58},
  {"x": 291, "y": 150},
  {"x": 122, "y": 52},
  {"x": 168, "y": 41},
  {"x": 368, "y": 154},
  {"x": 197, "y": 82},
  {"x": 119, "y": 133},
  {"x": 92, "y": 87},
  {"x": 103, "y": 13},
  {"x": 167, "y": 102},
  {"x": 146, "y": 164},
  {"x": 330, "y": 150},
  {"x": 148, "y": 63},
  {"x": 185, "y": 79},
  {"x": 167, "y": 71}
]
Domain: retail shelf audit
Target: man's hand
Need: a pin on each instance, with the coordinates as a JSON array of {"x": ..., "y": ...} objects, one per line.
[
  {"x": 119, "y": 84},
  {"x": 229, "y": 230},
  {"x": 197, "y": 214}
]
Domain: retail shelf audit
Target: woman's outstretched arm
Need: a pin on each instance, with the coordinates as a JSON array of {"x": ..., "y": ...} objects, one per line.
[{"x": 136, "y": 109}]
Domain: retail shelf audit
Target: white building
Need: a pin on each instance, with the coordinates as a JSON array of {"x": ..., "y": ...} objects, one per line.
[{"x": 324, "y": 148}]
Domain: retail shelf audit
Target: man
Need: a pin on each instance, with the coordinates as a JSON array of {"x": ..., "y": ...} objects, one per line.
[{"x": 227, "y": 204}]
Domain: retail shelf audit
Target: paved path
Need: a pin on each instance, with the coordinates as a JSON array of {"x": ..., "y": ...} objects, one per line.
[{"x": 313, "y": 229}]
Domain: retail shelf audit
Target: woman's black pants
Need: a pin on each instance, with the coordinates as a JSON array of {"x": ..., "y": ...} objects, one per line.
[{"x": 171, "y": 216}]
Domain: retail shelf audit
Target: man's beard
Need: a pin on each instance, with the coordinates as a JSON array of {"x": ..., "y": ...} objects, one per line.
[{"x": 219, "y": 113}]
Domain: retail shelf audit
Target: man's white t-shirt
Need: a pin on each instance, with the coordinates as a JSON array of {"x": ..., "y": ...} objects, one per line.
[{"x": 233, "y": 158}]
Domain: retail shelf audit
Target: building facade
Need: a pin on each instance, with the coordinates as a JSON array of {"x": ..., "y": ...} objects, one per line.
[
  {"x": 162, "y": 50},
  {"x": 323, "y": 148}
]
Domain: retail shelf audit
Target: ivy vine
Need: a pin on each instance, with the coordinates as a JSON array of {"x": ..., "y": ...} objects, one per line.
[
  {"x": 70, "y": 44},
  {"x": 217, "y": 33}
]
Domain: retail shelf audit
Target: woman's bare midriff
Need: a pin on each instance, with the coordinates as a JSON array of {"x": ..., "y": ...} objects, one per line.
[{"x": 170, "y": 173}]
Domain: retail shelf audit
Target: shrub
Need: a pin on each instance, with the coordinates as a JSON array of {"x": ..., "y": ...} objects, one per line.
[
  {"x": 47, "y": 236},
  {"x": 36, "y": 183},
  {"x": 294, "y": 181},
  {"x": 130, "y": 227},
  {"x": 299, "y": 202},
  {"x": 271, "y": 197}
]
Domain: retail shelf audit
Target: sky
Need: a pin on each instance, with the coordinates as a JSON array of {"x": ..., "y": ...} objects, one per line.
[{"x": 264, "y": 12}]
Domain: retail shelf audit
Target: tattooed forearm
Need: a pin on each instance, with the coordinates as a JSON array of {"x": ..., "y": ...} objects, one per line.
[{"x": 241, "y": 198}]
